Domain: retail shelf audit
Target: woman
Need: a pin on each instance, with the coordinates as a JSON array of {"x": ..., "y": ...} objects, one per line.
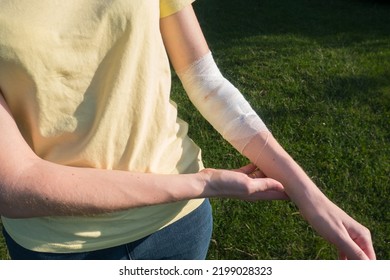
[{"x": 94, "y": 161}]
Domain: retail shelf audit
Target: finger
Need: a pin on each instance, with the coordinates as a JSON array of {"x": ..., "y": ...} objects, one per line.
[
  {"x": 272, "y": 195},
  {"x": 362, "y": 238},
  {"x": 351, "y": 251},
  {"x": 269, "y": 189},
  {"x": 268, "y": 184},
  {"x": 247, "y": 169},
  {"x": 370, "y": 252},
  {"x": 342, "y": 256},
  {"x": 256, "y": 174},
  {"x": 366, "y": 246}
]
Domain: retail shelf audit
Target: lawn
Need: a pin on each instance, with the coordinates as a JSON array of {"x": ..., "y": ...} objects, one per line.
[{"x": 318, "y": 72}]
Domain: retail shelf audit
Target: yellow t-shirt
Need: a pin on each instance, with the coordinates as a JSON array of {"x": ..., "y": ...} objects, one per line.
[{"x": 88, "y": 83}]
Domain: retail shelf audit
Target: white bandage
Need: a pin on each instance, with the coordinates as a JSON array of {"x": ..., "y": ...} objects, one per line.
[{"x": 220, "y": 102}]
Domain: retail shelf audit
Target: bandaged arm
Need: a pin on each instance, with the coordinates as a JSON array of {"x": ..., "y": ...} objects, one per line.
[
  {"x": 185, "y": 44},
  {"x": 221, "y": 103},
  {"x": 231, "y": 115}
]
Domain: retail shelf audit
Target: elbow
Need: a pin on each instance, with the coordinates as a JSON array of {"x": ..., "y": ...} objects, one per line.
[
  {"x": 16, "y": 191},
  {"x": 8, "y": 212},
  {"x": 8, "y": 205},
  {"x": 11, "y": 204},
  {"x": 10, "y": 215},
  {"x": 11, "y": 210}
]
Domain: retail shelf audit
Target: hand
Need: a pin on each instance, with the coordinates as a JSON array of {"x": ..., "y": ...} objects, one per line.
[
  {"x": 246, "y": 183},
  {"x": 352, "y": 239}
]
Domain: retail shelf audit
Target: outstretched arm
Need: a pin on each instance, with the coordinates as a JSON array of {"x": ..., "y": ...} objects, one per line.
[
  {"x": 212, "y": 95},
  {"x": 33, "y": 187}
]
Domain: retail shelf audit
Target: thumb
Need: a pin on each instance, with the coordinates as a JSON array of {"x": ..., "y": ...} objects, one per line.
[
  {"x": 247, "y": 169},
  {"x": 269, "y": 184},
  {"x": 270, "y": 189}
]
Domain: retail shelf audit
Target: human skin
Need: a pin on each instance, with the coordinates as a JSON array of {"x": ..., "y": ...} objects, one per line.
[
  {"x": 33, "y": 187},
  {"x": 185, "y": 44}
]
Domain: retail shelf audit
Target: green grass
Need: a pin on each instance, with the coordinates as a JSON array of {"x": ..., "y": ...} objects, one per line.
[{"x": 318, "y": 72}]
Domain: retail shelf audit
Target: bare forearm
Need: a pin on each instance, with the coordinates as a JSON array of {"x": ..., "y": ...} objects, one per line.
[
  {"x": 47, "y": 189},
  {"x": 33, "y": 187},
  {"x": 276, "y": 163}
]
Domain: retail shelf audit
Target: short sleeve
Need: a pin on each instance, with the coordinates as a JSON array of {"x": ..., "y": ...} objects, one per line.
[{"x": 169, "y": 7}]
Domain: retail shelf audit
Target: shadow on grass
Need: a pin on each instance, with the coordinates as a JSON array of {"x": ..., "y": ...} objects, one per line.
[
  {"x": 275, "y": 29},
  {"x": 332, "y": 61},
  {"x": 230, "y": 20}
]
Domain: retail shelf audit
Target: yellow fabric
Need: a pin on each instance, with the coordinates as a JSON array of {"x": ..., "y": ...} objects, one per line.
[
  {"x": 168, "y": 7},
  {"x": 88, "y": 83}
]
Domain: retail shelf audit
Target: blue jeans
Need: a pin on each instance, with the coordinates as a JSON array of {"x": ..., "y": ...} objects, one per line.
[{"x": 186, "y": 239}]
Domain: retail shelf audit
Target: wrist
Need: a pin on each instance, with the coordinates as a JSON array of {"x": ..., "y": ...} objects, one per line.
[
  {"x": 310, "y": 202},
  {"x": 205, "y": 183}
]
